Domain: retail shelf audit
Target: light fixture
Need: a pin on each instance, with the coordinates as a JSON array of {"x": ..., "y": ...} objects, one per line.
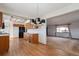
[
  {"x": 27, "y": 21},
  {"x": 37, "y": 21}
]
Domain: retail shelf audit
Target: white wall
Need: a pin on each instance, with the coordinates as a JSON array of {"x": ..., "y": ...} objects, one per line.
[
  {"x": 8, "y": 25},
  {"x": 6, "y": 20},
  {"x": 75, "y": 29},
  {"x": 11, "y": 29},
  {"x": 15, "y": 31}
]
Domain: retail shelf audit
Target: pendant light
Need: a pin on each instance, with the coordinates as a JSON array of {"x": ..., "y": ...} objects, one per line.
[{"x": 38, "y": 21}]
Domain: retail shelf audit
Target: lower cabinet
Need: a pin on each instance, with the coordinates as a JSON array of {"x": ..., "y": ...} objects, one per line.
[
  {"x": 4, "y": 44},
  {"x": 34, "y": 38}
]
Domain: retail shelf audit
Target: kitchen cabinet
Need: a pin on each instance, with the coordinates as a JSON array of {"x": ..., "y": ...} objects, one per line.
[
  {"x": 4, "y": 44},
  {"x": 29, "y": 26},
  {"x": 32, "y": 37},
  {"x": 1, "y": 17},
  {"x": 18, "y": 25}
]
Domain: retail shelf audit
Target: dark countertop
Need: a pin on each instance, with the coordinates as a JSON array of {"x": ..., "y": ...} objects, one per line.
[{"x": 4, "y": 34}]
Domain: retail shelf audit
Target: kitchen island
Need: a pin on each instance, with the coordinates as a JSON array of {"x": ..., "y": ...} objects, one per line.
[
  {"x": 4, "y": 43},
  {"x": 32, "y": 37},
  {"x": 38, "y": 35}
]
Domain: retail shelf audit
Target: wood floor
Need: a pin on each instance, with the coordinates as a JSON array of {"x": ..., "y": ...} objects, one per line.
[
  {"x": 55, "y": 47},
  {"x": 69, "y": 46}
]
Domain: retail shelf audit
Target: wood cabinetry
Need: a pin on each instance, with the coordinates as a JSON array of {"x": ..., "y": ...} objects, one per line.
[
  {"x": 26, "y": 36},
  {"x": 34, "y": 38},
  {"x": 1, "y": 16},
  {"x": 28, "y": 26},
  {"x": 18, "y": 25},
  {"x": 4, "y": 44}
]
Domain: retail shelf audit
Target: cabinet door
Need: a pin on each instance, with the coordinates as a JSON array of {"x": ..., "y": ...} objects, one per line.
[
  {"x": 34, "y": 38},
  {"x": 1, "y": 46},
  {"x": 4, "y": 44},
  {"x": 29, "y": 26},
  {"x": 1, "y": 16}
]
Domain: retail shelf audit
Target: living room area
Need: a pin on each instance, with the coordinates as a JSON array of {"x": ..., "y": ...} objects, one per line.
[{"x": 39, "y": 29}]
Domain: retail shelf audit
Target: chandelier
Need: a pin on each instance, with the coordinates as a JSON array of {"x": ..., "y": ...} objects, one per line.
[{"x": 37, "y": 21}]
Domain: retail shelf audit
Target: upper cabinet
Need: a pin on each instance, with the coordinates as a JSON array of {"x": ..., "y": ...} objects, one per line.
[
  {"x": 1, "y": 17},
  {"x": 29, "y": 26},
  {"x": 35, "y": 24}
]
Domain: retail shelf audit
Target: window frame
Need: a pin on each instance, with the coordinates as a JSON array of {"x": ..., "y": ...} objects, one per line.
[{"x": 62, "y": 29}]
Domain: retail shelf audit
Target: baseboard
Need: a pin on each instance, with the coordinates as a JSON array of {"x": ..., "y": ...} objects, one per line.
[
  {"x": 50, "y": 35},
  {"x": 75, "y": 38},
  {"x": 64, "y": 37}
]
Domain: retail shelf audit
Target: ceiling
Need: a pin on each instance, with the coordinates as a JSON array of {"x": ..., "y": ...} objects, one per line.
[
  {"x": 64, "y": 19},
  {"x": 57, "y": 13},
  {"x": 30, "y": 9}
]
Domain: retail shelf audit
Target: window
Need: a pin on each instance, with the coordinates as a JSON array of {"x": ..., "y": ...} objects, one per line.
[{"x": 62, "y": 29}]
